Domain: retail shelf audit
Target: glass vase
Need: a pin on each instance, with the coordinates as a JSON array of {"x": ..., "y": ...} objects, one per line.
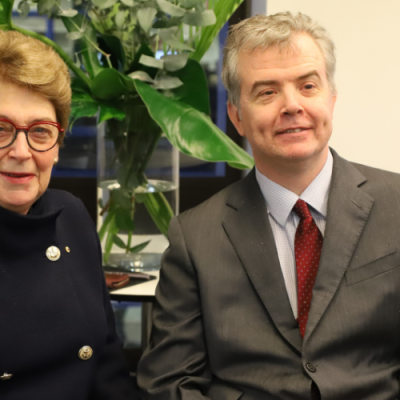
[{"x": 138, "y": 179}]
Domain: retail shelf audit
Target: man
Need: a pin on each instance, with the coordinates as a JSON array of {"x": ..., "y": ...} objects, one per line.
[{"x": 284, "y": 286}]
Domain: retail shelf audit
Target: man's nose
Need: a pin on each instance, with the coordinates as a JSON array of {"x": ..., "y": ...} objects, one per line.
[
  {"x": 20, "y": 148},
  {"x": 291, "y": 103}
]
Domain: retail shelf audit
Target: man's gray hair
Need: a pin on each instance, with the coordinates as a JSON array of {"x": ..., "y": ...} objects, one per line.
[{"x": 263, "y": 32}]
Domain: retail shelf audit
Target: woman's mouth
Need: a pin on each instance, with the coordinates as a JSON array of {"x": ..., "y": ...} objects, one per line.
[{"x": 17, "y": 177}]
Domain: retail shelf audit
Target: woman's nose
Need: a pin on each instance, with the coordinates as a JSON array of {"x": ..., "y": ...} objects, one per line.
[{"x": 20, "y": 148}]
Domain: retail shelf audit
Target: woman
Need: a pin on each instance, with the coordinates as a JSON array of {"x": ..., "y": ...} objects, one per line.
[{"x": 57, "y": 336}]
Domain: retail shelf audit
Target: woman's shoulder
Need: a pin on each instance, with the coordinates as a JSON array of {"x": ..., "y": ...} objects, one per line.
[
  {"x": 71, "y": 207},
  {"x": 60, "y": 198}
]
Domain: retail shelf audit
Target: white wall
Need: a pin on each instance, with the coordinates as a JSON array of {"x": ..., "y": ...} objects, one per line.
[{"x": 367, "y": 38}]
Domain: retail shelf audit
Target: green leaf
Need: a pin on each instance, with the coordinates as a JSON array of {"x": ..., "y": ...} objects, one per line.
[
  {"x": 45, "y": 6},
  {"x": 143, "y": 49},
  {"x": 102, "y": 4},
  {"x": 23, "y": 8},
  {"x": 165, "y": 22},
  {"x": 112, "y": 231},
  {"x": 78, "y": 86},
  {"x": 142, "y": 76},
  {"x": 140, "y": 198},
  {"x": 223, "y": 10},
  {"x": 78, "y": 61},
  {"x": 106, "y": 222},
  {"x": 93, "y": 16},
  {"x": 129, "y": 3},
  {"x": 120, "y": 18},
  {"x": 121, "y": 198},
  {"x": 68, "y": 13},
  {"x": 123, "y": 220},
  {"x": 195, "y": 18},
  {"x": 74, "y": 35},
  {"x": 191, "y": 131},
  {"x": 146, "y": 17},
  {"x": 167, "y": 82},
  {"x": 108, "y": 112},
  {"x": 6, "y": 7},
  {"x": 108, "y": 84},
  {"x": 83, "y": 105},
  {"x": 139, "y": 247},
  {"x": 119, "y": 242},
  {"x": 159, "y": 210},
  {"x": 88, "y": 53},
  {"x": 151, "y": 62},
  {"x": 176, "y": 44},
  {"x": 171, "y": 9},
  {"x": 194, "y": 81},
  {"x": 190, "y": 3},
  {"x": 175, "y": 62},
  {"x": 170, "y": 40},
  {"x": 111, "y": 44}
]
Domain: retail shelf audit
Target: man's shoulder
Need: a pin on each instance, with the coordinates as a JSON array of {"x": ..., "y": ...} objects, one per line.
[
  {"x": 378, "y": 177},
  {"x": 214, "y": 208}
]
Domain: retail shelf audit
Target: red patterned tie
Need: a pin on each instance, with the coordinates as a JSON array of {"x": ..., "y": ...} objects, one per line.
[{"x": 307, "y": 249}]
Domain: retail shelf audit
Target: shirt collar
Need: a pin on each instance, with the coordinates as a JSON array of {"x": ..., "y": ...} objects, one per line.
[{"x": 280, "y": 201}]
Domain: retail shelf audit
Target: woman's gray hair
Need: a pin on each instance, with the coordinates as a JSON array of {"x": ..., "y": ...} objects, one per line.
[{"x": 263, "y": 32}]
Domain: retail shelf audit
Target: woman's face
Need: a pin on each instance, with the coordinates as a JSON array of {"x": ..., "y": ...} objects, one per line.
[{"x": 24, "y": 172}]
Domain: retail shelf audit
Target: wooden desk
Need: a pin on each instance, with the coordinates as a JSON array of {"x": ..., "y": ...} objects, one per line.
[{"x": 145, "y": 294}]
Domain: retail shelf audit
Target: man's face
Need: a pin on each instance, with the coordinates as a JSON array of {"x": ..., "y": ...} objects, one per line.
[{"x": 286, "y": 105}]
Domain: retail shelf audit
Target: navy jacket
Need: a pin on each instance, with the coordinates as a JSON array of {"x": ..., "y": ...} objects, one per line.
[{"x": 49, "y": 309}]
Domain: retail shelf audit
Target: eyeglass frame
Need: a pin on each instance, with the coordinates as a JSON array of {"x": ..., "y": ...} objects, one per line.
[{"x": 25, "y": 129}]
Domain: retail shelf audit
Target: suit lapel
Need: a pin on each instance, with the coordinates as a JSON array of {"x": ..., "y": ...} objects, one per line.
[
  {"x": 247, "y": 226},
  {"x": 348, "y": 211}
]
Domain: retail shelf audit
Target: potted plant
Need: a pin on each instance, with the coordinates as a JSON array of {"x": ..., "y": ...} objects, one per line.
[{"x": 117, "y": 76}]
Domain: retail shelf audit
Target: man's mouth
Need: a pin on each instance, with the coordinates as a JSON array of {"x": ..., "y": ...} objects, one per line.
[{"x": 294, "y": 130}]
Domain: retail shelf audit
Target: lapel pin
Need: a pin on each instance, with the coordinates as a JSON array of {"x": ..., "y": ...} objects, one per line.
[
  {"x": 53, "y": 253},
  {"x": 5, "y": 376}
]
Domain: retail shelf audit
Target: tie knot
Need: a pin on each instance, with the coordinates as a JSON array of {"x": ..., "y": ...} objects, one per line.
[{"x": 301, "y": 209}]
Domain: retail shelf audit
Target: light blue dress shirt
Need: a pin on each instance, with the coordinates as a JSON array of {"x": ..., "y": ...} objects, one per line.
[{"x": 279, "y": 203}]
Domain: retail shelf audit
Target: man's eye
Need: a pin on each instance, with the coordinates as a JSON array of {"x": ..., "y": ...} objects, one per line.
[
  {"x": 309, "y": 86},
  {"x": 268, "y": 93}
]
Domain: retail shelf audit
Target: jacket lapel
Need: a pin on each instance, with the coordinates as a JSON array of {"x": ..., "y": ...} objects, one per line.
[
  {"x": 348, "y": 211},
  {"x": 247, "y": 226}
]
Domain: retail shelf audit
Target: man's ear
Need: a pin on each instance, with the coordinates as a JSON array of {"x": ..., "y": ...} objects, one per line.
[{"x": 234, "y": 116}]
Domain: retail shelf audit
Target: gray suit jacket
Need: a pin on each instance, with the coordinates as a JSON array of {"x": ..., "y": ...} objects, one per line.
[{"x": 223, "y": 325}]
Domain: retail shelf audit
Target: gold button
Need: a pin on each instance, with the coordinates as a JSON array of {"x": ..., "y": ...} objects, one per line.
[
  {"x": 85, "y": 353},
  {"x": 53, "y": 253},
  {"x": 68, "y": 249},
  {"x": 5, "y": 376}
]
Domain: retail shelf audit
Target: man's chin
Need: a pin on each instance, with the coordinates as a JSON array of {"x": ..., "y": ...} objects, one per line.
[{"x": 299, "y": 154}]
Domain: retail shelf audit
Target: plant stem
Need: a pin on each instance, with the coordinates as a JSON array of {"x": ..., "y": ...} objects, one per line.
[
  {"x": 100, "y": 19},
  {"x": 128, "y": 245},
  {"x": 106, "y": 207}
]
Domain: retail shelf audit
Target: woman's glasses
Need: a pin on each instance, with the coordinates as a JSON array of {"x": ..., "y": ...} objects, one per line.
[{"x": 41, "y": 136}]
